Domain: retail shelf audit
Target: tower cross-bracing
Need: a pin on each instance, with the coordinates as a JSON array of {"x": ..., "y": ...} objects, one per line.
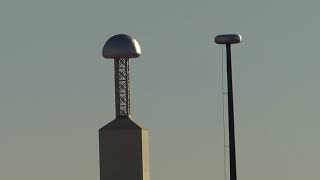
[{"x": 122, "y": 86}]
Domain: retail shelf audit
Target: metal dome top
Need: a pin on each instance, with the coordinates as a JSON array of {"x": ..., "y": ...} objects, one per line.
[
  {"x": 228, "y": 39},
  {"x": 121, "y": 46}
]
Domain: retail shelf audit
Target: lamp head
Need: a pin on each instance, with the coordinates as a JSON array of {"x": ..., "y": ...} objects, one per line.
[{"x": 228, "y": 39}]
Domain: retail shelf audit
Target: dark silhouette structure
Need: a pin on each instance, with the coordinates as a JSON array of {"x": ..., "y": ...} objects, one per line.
[{"x": 229, "y": 39}]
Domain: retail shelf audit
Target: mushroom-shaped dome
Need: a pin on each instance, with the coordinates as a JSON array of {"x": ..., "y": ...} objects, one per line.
[
  {"x": 228, "y": 39},
  {"x": 121, "y": 46}
]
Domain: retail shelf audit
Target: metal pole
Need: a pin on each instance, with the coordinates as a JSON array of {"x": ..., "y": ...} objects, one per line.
[{"x": 232, "y": 147}]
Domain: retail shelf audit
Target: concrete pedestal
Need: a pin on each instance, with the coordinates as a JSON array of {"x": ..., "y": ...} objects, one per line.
[{"x": 124, "y": 151}]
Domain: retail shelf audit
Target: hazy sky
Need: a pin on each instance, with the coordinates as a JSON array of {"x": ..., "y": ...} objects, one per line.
[{"x": 56, "y": 90}]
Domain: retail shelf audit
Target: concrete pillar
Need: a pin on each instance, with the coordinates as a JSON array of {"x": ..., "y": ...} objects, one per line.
[{"x": 124, "y": 151}]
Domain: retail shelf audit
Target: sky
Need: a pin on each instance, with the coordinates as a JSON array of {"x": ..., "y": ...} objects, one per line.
[{"x": 56, "y": 90}]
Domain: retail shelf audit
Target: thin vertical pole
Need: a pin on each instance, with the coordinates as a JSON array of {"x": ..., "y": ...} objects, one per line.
[
  {"x": 116, "y": 86},
  {"x": 232, "y": 148}
]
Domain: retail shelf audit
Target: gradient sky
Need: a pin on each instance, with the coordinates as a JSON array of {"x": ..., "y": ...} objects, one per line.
[{"x": 56, "y": 90}]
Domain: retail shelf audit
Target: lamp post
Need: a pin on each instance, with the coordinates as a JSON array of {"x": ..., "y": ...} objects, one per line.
[{"x": 229, "y": 39}]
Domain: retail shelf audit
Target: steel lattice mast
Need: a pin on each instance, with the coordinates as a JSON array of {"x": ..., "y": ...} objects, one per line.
[
  {"x": 229, "y": 39},
  {"x": 122, "y": 86},
  {"x": 120, "y": 48}
]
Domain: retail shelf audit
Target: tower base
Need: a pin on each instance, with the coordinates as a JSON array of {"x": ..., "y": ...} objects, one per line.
[{"x": 124, "y": 151}]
